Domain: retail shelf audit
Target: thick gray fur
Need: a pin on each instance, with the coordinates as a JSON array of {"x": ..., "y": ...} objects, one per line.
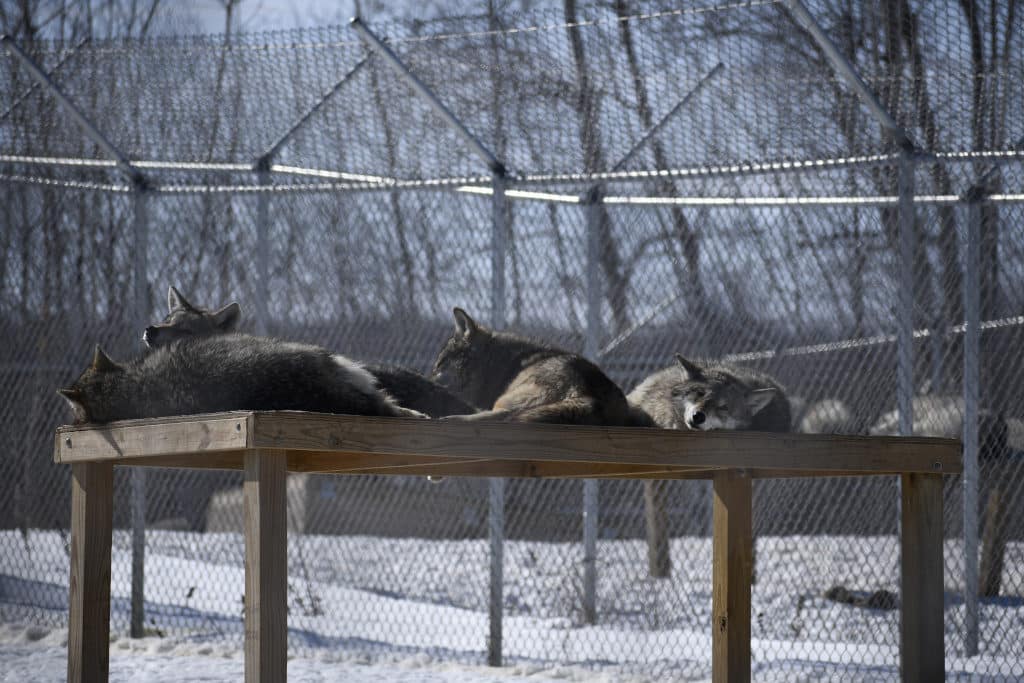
[
  {"x": 226, "y": 372},
  {"x": 525, "y": 381},
  {"x": 730, "y": 396},
  {"x": 412, "y": 390}
]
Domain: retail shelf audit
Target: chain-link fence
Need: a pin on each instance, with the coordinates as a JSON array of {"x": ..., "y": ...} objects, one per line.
[{"x": 838, "y": 202}]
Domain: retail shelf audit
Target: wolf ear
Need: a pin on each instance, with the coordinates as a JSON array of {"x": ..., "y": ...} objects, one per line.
[
  {"x": 227, "y": 318},
  {"x": 758, "y": 399},
  {"x": 175, "y": 300},
  {"x": 691, "y": 370},
  {"x": 464, "y": 325},
  {"x": 101, "y": 362}
]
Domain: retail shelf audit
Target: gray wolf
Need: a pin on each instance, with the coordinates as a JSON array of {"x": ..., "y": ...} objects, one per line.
[
  {"x": 185, "y": 320},
  {"x": 525, "y": 381},
  {"x": 943, "y": 415},
  {"x": 828, "y": 416},
  {"x": 409, "y": 389},
  {"x": 707, "y": 396},
  {"x": 226, "y": 372}
]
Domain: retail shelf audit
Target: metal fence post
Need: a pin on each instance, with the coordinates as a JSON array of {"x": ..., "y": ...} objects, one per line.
[
  {"x": 592, "y": 208},
  {"x": 499, "y": 247},
  {"x": 496, "y": 504},
  {"x": 972, "y": 392},
  {"x": 262, "y": 254},
  {"x": 905, "y": 300},
  {"x": 140, "y": 283}
]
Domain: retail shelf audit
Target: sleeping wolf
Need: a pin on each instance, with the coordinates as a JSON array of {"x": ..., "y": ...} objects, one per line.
[
  {"x": 226, "y": 372},
  {"x": 711, "y": 396},
  {"x": 408, "y": 388},
  {"x": 521, "y": 380},
  {"x": 185, "y": 320}
]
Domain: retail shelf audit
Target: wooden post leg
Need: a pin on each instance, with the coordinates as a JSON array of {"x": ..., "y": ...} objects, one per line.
[
  {"x": 733, "y": 559},
  {"x": 266, "y": 567},
  {"x": 92, "y": 500},
  {"x": 922, "y": 655}
]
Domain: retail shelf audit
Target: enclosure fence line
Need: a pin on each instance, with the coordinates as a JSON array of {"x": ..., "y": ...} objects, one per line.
[{"x": 500, "y": 185}]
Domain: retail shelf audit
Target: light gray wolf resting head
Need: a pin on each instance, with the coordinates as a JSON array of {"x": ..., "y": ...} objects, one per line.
[
  {"x": 185, "y": 320},
  {"x": 708, "y": 396}
]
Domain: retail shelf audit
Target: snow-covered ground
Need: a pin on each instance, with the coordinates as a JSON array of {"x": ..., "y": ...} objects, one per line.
[{"x": 380, "y": 609}]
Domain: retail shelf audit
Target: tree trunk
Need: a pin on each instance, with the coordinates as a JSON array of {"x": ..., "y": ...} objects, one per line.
[{"x": 593, "y": 162}]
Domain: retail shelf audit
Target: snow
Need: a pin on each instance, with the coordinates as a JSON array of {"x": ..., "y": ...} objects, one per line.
[{"x": 366, "y": 608}]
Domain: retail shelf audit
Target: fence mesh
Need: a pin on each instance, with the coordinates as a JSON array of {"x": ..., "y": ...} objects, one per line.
[{"x": 748, "y": 213}]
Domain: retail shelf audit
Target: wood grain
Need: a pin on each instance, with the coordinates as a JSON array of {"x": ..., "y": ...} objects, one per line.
[
  {"x": 150, "y": 438},
  {"x": 266, "y": 567},
  {"x": 92, "y": 497},
  {"x": 320, "y": 435},
  {"x": 571, "y": 443},
  {"x": 922, "y": 655},
  {"x": 731, "y": 572}
]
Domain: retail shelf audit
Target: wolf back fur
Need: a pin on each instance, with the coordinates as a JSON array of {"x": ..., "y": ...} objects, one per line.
[
  {"x": 226, "y": 372},
  {"x": 412, "y": 390},
  {"x": 692, "y": 395},
  {"x": 525, "y": 381}
]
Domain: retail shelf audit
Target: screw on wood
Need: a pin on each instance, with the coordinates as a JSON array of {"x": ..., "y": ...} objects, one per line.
[{"x": 238, "y": 426}]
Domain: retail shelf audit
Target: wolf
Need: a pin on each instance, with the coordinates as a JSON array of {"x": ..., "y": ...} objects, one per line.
[
  {"x": 943, "y": 415},
  {"x": 708, "y": 396},
  {"x": 408, "y": 388},
  {"x": 828, "y": 416},
  {"x": 185, "y": 320},
  {"x": 226, "y": 372},
  {"x": 523, "y": 380}
]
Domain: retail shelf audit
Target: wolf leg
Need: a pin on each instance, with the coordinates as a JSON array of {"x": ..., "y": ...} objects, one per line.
[{"x": 483, "y": 416}]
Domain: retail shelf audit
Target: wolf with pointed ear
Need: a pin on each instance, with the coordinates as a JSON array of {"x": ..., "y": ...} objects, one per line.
[
  {"x": 522, "y": 380},
  {"x": 186, "y": 321},
  {"x": 691, "y": 395},
  {"x": 94, "y": 393}
]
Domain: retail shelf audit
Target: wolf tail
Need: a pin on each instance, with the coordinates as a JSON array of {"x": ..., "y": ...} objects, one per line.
[{"x": 578, "y": 411}]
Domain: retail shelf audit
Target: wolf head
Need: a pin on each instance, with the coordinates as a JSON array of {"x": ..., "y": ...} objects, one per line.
[
  {"x": 185, "y": 320},
  {"x": 709, "y": 398},
  {"x": 463, "y": 363},
  {"x": 93, "y": 395}
]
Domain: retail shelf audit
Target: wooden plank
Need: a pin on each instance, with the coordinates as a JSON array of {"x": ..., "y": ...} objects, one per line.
[
  {"x": 149, "y": 438},
  {"x": 207, "y": 460},
  {"x": 922, "y": 655},
  {"x": 320, "y": 433},
  {"x": 360, "y": 463},
  {"x": 732, "y": 566},
  {"x": 92, "y": 496},
  {"x": 568, "y": 443},
  {"x": 266, "y": 567}
]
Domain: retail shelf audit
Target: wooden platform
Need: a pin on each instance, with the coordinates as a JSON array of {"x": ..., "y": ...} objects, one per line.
[{"x": 267, "y": 445}]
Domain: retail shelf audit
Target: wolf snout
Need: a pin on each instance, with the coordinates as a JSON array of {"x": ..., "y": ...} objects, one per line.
[
  {"x": 149, "y": 334},
  {"x": 697, "y": 418}
]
